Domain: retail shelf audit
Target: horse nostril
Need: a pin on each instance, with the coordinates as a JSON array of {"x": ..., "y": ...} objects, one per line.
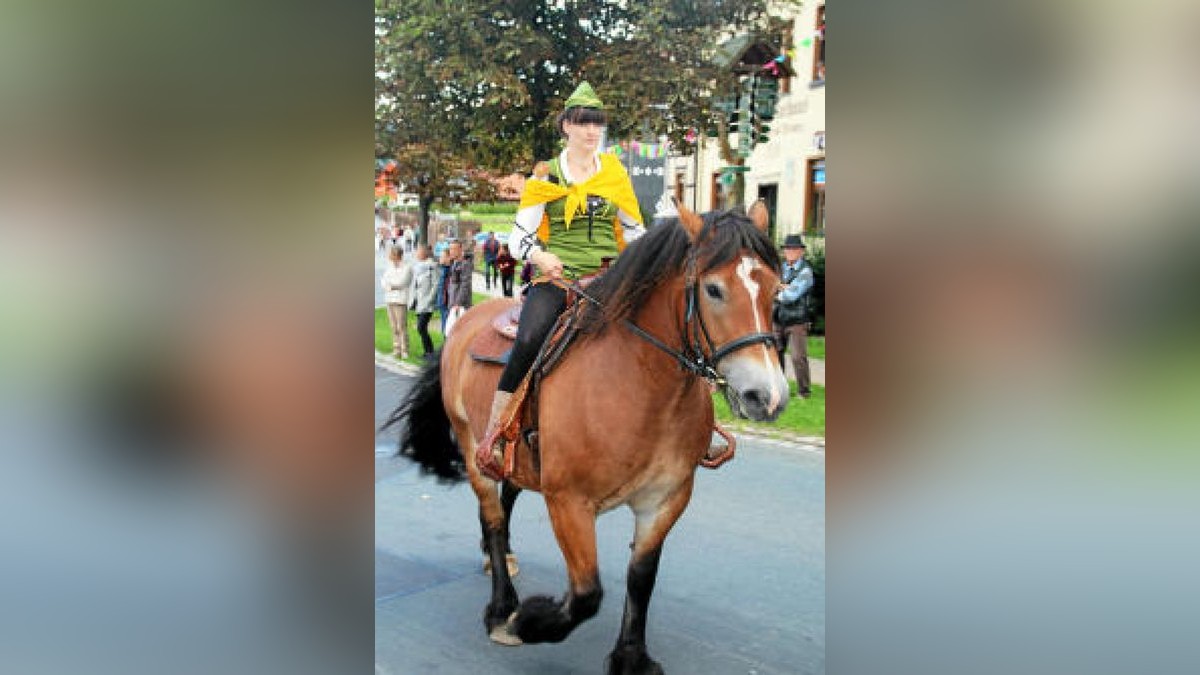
[{"x": 754, "y": 397}]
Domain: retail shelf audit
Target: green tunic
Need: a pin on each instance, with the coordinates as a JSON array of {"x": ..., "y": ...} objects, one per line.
[{"x": 581, "y": 248}]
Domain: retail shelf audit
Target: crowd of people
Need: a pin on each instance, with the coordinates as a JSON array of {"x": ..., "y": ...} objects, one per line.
[{"x": 439, "y": 280}]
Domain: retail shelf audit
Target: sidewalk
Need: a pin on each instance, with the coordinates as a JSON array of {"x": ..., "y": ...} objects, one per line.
[{"x": 479, "y": 285}]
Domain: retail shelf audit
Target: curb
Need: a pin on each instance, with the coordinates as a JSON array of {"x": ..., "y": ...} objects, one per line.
[
  {"x": 782, "y": 439},
  {"x": 393, "y": 365}
]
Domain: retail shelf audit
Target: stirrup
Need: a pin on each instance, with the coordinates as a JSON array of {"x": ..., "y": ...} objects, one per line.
[
  {"x": 486, "y": 458},
  {"x": 713, "y": 461}
]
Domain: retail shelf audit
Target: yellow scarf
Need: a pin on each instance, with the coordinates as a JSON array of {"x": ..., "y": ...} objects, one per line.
[{"x": 610, "y": 182}]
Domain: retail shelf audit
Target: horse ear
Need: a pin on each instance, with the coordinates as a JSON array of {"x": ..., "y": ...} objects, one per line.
[
  {"x": 759, "y": 216},
  {"x": 691, "y": 222}
]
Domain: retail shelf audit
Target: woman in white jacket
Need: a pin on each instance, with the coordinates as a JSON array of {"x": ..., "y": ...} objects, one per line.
[
  {"x": 397, "y": 286},
  {"x": 424, "y": 295}
]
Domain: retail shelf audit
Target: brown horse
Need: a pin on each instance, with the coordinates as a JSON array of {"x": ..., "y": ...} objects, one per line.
[{"x": 624, "y": 418}]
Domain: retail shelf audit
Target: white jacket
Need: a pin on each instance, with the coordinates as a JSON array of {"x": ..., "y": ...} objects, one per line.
[{"x": 396, "y": 281}]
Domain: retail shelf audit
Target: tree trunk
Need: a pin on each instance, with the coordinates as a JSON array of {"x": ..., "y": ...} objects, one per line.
[{"x": 423, "y": 204}]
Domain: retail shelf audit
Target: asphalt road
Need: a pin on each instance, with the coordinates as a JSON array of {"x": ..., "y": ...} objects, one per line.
[{"x": 741, "y": 585}]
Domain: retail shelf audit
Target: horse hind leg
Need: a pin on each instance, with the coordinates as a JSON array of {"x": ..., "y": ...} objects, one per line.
[
  {"x": 493, "y": 520},
  {"x": 653, "y": 522},
  {"x": 508, "y": 497},
  {"x": 544, "y": 619}
]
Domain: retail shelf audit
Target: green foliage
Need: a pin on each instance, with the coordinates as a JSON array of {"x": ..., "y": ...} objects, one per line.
[{"x": 483, "y": 78}]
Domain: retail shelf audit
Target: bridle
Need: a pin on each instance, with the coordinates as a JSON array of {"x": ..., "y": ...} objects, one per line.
[{"x": 699, "y": 354}]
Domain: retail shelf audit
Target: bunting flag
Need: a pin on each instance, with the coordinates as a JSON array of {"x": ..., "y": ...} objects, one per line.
[{"x": 648, "y": 150}]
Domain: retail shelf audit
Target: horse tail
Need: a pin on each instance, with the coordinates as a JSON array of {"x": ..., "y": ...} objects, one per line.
[{"x": 427, "y": 439}]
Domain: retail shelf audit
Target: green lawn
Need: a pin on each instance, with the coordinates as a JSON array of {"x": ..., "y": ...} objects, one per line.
[
  {"x": 383, "y": 332},
  {"x": 494, "y": 222},
  {"x": 816, "y": 347},
  {"x": 803, "y": 417}
]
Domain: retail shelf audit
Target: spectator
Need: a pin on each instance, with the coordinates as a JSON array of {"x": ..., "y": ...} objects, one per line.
[
  {"x": 507, "y": 266},
  {"x": 397, "y": 283},
  {"x": 458, "y": 279},
  {"x": 424, "y": 295},
  {"x": 443, "y": 279},
  {"x": 791, "y": 311},
  {"x": 491, "y": 249}
]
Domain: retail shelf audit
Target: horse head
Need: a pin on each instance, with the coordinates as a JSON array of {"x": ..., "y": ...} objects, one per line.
[{"x": 731, "y": 284}]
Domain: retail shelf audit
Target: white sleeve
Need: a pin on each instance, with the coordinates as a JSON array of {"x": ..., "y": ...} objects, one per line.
[
  {"x": 523, "y": 238},
  {"x": 633, "y": 229}
]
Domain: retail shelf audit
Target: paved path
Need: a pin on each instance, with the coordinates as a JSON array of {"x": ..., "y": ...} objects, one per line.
[{"x": 741, "y": 587}]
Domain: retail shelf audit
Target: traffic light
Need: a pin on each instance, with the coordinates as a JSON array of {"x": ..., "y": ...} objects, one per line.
[
  {"x": 761, "y": 129},
  {"x": 766, "y": 93}
]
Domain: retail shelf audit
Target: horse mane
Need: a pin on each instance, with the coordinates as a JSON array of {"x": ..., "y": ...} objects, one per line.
[{"x": 661, "y": 254}]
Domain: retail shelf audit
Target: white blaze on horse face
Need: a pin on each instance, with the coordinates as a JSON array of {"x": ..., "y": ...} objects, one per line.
[{"x": 744, "y": 269}]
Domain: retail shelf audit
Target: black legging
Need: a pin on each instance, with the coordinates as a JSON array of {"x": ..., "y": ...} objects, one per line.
[{"x": 542, "y": 307}]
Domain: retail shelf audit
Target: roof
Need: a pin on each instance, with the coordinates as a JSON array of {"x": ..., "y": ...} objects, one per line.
[{"x": 744, "y": 53}]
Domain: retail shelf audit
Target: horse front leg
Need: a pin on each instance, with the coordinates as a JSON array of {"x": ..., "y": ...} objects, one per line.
[
  {"x": 653, "y": 522},
  {"x": 544, "y": 619}
]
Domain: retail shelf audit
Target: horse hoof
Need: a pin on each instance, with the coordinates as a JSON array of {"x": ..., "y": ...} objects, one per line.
[
  {"x": 504, "y": 635},
  {"x": 635, "y": 663},
  {"x": 510, "y": 561}
]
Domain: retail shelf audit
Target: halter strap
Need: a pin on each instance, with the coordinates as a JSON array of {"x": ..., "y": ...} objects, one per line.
[{"x": 693, "y": 332}]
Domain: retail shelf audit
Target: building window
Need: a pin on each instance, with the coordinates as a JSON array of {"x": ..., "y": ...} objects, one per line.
[
  {"x": 814, "y": 220},
  {"x": 818, "y": 39}
]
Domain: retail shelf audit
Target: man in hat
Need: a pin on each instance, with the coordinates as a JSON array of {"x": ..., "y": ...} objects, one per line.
[{"x": 791, "y": 311}]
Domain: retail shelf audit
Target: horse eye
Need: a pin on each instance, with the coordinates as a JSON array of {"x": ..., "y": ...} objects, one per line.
[{"x": 713, "y": 290}]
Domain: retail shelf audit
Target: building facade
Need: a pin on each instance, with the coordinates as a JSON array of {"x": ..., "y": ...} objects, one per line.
[{"x": 788, "y": 171}]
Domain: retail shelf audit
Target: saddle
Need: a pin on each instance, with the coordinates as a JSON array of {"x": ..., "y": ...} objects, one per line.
[
  {"x": 519, "y": 421},
  {"x": 495, "y": 346}
]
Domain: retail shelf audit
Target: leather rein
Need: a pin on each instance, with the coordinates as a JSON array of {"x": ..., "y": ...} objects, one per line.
[{"x": 699, "y": 354}]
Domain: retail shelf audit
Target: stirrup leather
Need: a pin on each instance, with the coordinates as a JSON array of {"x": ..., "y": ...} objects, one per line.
[{"x": 496, "y": 454}]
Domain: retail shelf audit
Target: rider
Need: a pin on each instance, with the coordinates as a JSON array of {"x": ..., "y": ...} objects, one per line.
[{"x": 576, "y": 212}]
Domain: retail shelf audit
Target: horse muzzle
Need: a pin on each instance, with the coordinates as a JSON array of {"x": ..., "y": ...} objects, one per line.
[{"x": 755, "y": 390}]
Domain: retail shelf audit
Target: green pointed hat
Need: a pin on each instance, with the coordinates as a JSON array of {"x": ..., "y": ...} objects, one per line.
[{"x": 584, "y": 97}]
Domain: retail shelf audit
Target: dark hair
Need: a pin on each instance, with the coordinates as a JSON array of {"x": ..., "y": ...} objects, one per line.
[{"x": 581, "y": 115}]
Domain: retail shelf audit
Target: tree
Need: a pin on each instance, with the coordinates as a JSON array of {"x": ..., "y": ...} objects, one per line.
[{"x": 478, "y": 81}]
